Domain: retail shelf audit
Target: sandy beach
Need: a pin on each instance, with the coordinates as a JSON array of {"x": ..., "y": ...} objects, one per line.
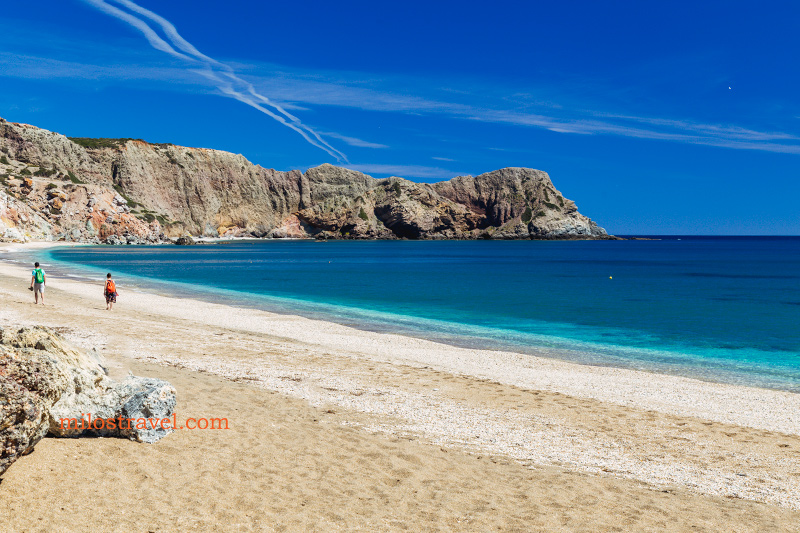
[{"x": 334, "y": 428}]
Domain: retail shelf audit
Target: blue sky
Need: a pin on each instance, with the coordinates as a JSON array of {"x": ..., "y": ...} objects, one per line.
[{"x": 662, "y": 118}]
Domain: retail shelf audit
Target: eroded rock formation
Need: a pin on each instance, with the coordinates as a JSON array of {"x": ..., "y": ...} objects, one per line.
[
  {"x": 45, "y": 380},
  {"x": 128, "y": 191}
]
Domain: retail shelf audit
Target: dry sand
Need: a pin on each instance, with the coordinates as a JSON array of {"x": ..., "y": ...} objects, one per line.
[{"x": 339, "y": 429}]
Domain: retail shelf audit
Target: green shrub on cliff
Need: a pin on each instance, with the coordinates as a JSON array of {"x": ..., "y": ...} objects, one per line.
[
  {"x": 174, "y": 161},
  {"x": 51, "y": 186},
  {"x": 527, "y": 215},
  {"x": 363, "y": 215},
  {"x": 4, "y": 160},
  {"x": 44, "y": 171},
  {"x": 86, "y": 142},
  {"x": 73, "y": 178},
  {"x": 121, "y": 192},
  {"x": 25, "y": 172}
]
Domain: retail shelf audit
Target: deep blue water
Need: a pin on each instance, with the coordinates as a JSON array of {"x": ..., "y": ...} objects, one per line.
[{"x": 724, "y": 309}]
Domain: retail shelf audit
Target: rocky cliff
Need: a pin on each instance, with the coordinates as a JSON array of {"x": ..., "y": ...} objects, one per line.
[{"x": 126, "y": 190}]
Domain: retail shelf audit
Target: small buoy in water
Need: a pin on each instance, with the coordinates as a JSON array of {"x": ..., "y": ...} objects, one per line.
[{"x": 610, "y": 277}]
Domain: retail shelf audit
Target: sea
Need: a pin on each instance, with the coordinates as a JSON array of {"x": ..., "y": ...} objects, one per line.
[{"x": 724, "y": 309}]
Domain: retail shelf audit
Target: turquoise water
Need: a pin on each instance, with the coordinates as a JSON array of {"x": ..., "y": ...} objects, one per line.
[{"x": 723, "y": 309}]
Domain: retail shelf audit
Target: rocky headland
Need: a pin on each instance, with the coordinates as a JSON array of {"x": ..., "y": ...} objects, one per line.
[{"x": 119, "y": 191}]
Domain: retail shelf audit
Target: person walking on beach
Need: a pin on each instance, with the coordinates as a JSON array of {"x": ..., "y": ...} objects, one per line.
[
  {"x": 110, "y": 292},
  {"x": 38, "y": 282}
]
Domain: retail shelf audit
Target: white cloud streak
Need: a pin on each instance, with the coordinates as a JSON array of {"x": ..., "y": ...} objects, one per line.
[
  {"x": 353, "y": 141},
  {"x": 405, "y": 171},
  {"x": 224, "y": 77},
  {"x": 152, "y": 37},
  {"x": 295, "y": 89},
  {"x": 341, "y": 92}
]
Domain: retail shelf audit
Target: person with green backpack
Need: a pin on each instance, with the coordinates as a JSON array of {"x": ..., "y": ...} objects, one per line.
[{"x": 38, "y": 282}]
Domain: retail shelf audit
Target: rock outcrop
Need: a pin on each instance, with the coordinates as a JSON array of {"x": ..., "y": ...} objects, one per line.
[
  {"x": 124, "y": 191},
  {"x": 45, "y": 380}
]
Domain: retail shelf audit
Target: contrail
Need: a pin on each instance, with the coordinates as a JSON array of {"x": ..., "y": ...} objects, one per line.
[
  {"x": 227, "y": 89},
  {"x": 152, "y": 37},
  {"x": 216, "y": 71}
]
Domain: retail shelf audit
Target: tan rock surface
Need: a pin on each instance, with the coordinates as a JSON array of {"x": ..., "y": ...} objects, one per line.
[{"x": 211, "y": 193}]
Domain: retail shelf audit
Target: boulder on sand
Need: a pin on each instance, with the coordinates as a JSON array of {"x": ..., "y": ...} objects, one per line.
[{"x": 45, "y": 380}]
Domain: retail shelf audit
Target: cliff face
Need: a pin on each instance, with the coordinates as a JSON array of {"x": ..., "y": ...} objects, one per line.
[{"x": 124, "y": 190}]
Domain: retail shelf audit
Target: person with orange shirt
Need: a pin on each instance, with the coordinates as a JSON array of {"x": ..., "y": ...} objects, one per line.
[{"x": 110, "y": 292}]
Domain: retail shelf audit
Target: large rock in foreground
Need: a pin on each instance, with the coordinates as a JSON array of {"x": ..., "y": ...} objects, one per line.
[
  {"x": 45, "y": 380},
  {"x": 24, "y": 409}
]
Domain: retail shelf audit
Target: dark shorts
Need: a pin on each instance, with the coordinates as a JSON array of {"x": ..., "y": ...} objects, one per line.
[{"x": 111, "y": 297}]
